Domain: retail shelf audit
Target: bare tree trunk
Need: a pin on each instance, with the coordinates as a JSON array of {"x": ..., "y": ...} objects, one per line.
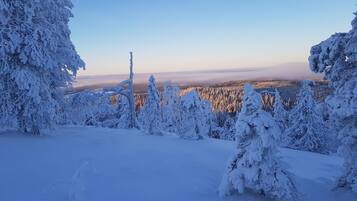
[{"x": 133, "y": 123}]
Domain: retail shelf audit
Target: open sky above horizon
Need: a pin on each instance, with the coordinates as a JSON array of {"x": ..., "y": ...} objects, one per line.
[{"x": 188, "y": 35}]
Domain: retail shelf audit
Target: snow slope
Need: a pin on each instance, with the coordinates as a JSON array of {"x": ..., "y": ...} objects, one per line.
[{"x": 96, "y": 164}]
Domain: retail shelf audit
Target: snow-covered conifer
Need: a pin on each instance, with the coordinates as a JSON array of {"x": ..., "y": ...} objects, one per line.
[
  {"x": 196, "y": 116},
  {"x": 307, "y": 130},
  {"x": 207, "y": 117},
  {"x": 336, "y": 57},
  {"x": 151, "y": 114},
  {"x": 37, "y": 59},
  {"x": 229, "y": 129},
  {"x": 123, "y": 113},
  {"x": 332, "y": 126},
  {"x": 255, "y": 166},
  {"x": 280, "y": 114},
  {"x": 171, "y": 107}
]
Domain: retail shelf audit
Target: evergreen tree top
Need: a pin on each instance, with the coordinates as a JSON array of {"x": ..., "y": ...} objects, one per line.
[
  {"x": 252, "y": 99},
  {"x": 35, "y": 34}
]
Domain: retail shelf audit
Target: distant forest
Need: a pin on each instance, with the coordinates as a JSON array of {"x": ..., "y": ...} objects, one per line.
[{"x": 227, "y": 97}]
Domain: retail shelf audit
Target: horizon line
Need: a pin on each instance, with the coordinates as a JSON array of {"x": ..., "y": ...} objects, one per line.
[{"x": 243, "y": 69}]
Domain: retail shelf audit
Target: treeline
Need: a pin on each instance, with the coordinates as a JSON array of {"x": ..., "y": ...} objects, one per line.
[{"x": 228, "y": 97}]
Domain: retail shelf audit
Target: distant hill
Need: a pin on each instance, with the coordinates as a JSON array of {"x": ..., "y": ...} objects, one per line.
[{"x": 289, "y": 71}]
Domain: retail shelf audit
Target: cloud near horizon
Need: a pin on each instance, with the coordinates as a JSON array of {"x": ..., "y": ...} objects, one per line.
[{"x": 290, "y": 71}]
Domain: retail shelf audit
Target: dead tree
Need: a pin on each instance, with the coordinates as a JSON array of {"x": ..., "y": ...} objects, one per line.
[{"x": 126, "y": 89}]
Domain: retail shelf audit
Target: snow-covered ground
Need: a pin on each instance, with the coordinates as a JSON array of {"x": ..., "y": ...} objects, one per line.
[{"x": 96, "y": 164}]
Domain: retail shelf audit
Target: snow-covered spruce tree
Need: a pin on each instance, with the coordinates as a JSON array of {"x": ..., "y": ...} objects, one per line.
[
  {"x": 196, "y": 117},
  {"x": 171, "y": 107},
  {"x": 150, "y": 117},
  {"x": 332, "y": 126},
  {"x": 206, "y": 108},
  {"x": 255, "y": 166},
  {"x": 123, "y": 117},
  {"x": 37, "y": 59},
  {"x": 336, "y": 57},
  {"x": 280, "y": 114},
  {"x": 307, "y": 130},
  {"x": 229, "y": 129},
  {"x": 218, "y": 121}
]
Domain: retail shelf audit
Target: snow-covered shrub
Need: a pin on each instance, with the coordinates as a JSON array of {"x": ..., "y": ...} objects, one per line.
[
  {"x": 196, "y": 116},
  {"x": 255, "y": 166},
  {"x": 307, "y": 130},
  {"x": 37, "y": 59},
  {"x": 216, "y": 132},
  {"x": 112, "y": 115},
  {"x": 89, "y": 108},
  {"x": 336, "y": 57},
  {"x": 77, "y": 108},
  {"x": 105, "y": 113},
  {"x": 150, "y": 117}
]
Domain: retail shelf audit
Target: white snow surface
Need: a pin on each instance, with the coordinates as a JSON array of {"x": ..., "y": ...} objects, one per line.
[{"x": 98, "y": 164}]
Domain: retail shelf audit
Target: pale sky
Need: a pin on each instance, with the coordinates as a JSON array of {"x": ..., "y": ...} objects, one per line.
[{"x": 189, "y": 35}]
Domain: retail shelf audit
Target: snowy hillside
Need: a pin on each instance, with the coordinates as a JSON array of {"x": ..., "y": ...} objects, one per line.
[{"x": 98, "y": 164}]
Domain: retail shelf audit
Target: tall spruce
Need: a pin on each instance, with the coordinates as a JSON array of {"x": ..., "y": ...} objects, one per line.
[
  {"x": 255, "y": 166},
  {"x": 171, "y": 107},
  {"x": 307, "y": 130},
  {"x": 151, "y": 114},
  {"x": 280, "y": 114}
]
